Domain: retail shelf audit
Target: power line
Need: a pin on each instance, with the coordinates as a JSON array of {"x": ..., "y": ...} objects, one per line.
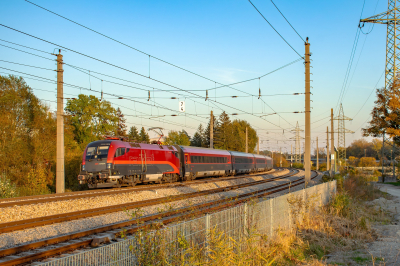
[
  {"x": 27, "y": 52},
  {"x": 152, "y": 87},
  {"x": 102, "y": 61},
  {"x": 127, "y": 98},
  {"x": 288, "y": 21},
  {"x": 369, "y": 95},
  {"x": 124, "y": 44},
  {"x": 27, "y": 65},
  {"x": 275, "y": 29},
  {"x": 25, "y": 46},
  {"x": 350, "y": 63}
]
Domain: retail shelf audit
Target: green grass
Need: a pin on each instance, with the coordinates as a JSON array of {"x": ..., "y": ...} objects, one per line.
[
  {"x": 359, "y": 259},
  {"x": 394, "y": 183}
]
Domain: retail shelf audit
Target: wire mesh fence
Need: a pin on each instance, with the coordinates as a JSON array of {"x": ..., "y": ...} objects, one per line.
[{"x": 265, "y": 216}]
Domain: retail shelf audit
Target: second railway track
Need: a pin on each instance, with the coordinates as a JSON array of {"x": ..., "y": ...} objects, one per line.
[
  {"x": 10, "y": 202},
  {"x": 164, "y": 218},
  {"x": 45, "y": 220}
]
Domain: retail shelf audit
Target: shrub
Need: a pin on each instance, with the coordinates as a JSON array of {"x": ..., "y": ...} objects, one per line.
[
  {"x": 298, "y": 165},
  {"x": 7, "y": 189},
  {"x": 36, "y": 182},
  {"x": 322, "y": 167}
]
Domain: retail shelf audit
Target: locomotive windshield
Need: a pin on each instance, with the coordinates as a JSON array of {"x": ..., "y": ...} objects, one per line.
[{"x": 97, "y": 152}]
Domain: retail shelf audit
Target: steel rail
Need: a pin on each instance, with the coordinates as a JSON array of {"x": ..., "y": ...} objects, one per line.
[
  {"x": 170, "y": 216},
  {"x": 10, "y": 202},
  {"x": 57, "y": 218}
]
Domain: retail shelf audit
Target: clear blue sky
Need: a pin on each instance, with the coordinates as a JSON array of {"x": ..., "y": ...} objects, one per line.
[{"x": 225, "y": 41}]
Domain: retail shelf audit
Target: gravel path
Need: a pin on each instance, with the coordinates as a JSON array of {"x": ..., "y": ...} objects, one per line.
[
  {"x": 29, "y": 235},
  {"x": 386, "y": 249}
]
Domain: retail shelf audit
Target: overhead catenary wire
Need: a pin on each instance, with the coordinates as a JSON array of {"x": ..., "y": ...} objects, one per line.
[
  {"x": 350, "y": 63},
  {"x": 275, "y": 29},
  {"x": 130, "y": 71},
  {"x": 79, "y": 68},
  {"x": 369, "y": 95},
  {"x": 124, "y": 44},
  {"x": 288, "y": 22},
  {"x": 79, "y": 87}
]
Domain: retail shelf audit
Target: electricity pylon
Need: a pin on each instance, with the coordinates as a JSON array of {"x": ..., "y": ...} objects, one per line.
[
  {"x": 297, "y": 152},
  {"x": 390, "y": 18},
  {"x": 341, "y": 149}
]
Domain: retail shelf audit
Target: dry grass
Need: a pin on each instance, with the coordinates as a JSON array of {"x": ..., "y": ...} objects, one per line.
[{"x": 344, "y": 224}]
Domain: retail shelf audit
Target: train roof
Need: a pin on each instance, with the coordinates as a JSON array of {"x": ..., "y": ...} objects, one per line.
[
  {"x": 239, "y": 153},
  {"x": 192, "y": 149}
]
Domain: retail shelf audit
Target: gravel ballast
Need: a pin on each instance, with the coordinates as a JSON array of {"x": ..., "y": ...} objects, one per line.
[
  {"x": 23, "y": 212},
  {"x": 40, "y": 233}
]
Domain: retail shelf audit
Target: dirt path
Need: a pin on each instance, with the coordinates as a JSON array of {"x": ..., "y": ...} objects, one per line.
[{"x": 385, "y": 250}]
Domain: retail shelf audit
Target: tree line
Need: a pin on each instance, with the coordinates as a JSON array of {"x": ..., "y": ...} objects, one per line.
[{"x": 28, "y": 136}]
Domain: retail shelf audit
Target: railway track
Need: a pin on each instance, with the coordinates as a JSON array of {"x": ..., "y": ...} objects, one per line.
[
  {"x": 165, "y": 218},
  {"x": 41, "y": 221},
  {"x": 10, "y": 202}
]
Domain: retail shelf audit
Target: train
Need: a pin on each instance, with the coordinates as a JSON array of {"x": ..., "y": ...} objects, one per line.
[{"x": 113, "y": 162}]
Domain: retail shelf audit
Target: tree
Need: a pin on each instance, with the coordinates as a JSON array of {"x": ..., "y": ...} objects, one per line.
[
  {"x": 359, "y": 148},
  {"x": 239, "y": 133},
  {"x": 177, "y": 138},
  {"x": 91, "y": 118},
  {"x": 386, "y": 113},
  {"x": 321, "y": 153},
  {"x": 197, "y": 140},
  {"x": 121, "y": 131},
  {"x": 27, "y": 136},
  {"x": 353, "y": 161},
  {"x": 143, "y": 136},
  {"x": 133, "y": 134},
  {"x": 367, "y": 161},
  {"x": 206, "y": 135},
  {"x": 223, "y": 133}
]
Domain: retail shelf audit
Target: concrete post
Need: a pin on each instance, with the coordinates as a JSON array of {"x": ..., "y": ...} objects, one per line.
[
  {"x": 212, "y": 131},
  {"x": 247, "y": 146},
  {"x": 332, "y": 143},
  {"x": 317, "y": 156},
  {"x": 60, "y": 177},
  {"x": 307, "y": 153},
  {"x": 327, "y": 150}
]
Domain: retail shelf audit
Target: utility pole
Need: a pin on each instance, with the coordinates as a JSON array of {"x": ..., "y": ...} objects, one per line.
[
  {"x": 341, "y": 147},
  {"x": 258, "y": 145},
  {"x": 390, "y": 18},
  {"x": 327, "y": 150},
  {"x": 394, "y": 169},
  {"x": 317, "y": 156},
  {"x": 332, "y": 144},
  {"x": 60, "y": 178},
  {"x": 297, "y": 150},
  {"x": 307, "y": 154},
  {"x": 247, "y": 146},
  {"x": 291, "y": 155},
  {"x": 212, "y": 131},
  {"x": 280, "y": 151},
  {"x": 365, "y": 155},
  {"x": 383, "y": 150}
]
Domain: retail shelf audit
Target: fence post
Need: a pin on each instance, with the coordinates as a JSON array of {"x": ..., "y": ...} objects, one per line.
[
  {"x": 290, "y": 218},
  {"x": 271, "y": 225},
  {"x": 245, "y": 219}
]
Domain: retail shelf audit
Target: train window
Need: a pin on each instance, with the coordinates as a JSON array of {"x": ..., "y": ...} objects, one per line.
[{"x": 119, "y": 152}]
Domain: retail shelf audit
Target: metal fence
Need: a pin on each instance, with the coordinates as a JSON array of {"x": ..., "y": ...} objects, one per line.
[{"x": 267, "y": 216}]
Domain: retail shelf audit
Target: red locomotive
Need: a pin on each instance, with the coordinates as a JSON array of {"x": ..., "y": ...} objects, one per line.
[{"x": 114, "y": 163}]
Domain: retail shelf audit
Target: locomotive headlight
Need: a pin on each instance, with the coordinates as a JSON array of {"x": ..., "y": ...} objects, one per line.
[
  {"x": 109, "y": 165},
  {"x": 83, "y": 167}
]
